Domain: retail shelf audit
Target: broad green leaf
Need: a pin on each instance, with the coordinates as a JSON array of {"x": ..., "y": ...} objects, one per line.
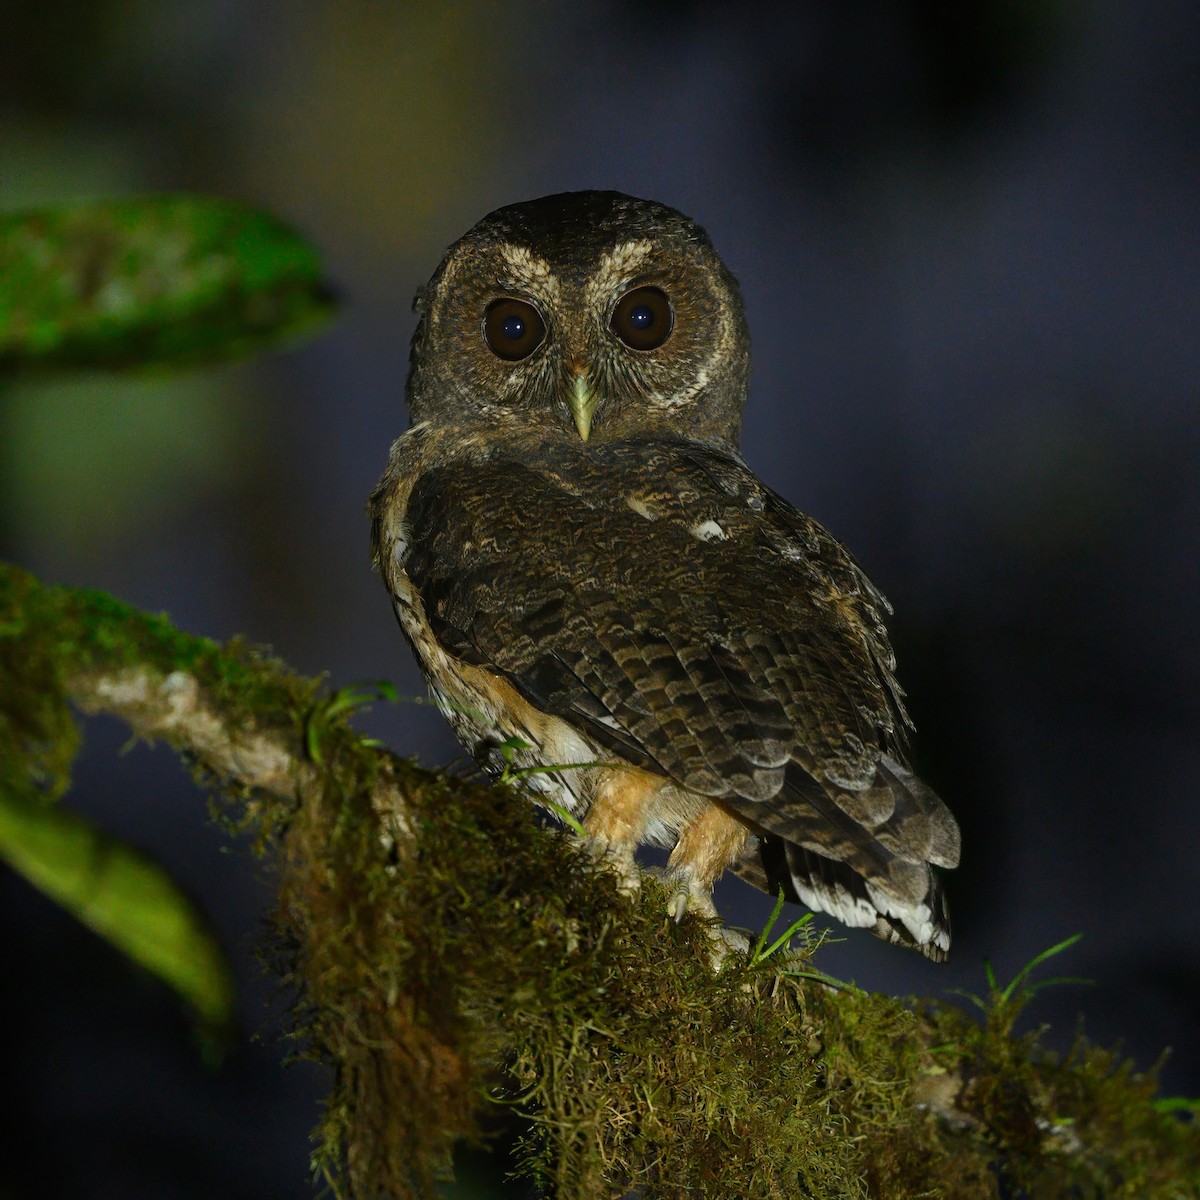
[
  {"x": 122, "y": 895},
  {"x": 155, "y": 280}
]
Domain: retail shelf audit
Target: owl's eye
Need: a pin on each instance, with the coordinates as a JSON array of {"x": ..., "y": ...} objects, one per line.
[
  {"x": 643, "y": 318},
  {"x": 513, "y": 329}
]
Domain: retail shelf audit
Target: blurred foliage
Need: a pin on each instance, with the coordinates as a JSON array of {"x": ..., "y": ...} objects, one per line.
[
  {"x": 161, "y": 282},
  {"x": 125, "y": 897},
  {"x": 156, "y": 280},
  {"x": 112, "y": 888}
]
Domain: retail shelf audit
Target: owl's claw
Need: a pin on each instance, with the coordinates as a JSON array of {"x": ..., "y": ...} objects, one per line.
[
  {"x": 689, "y": 895},
  {"x": 685, "y": 893}
]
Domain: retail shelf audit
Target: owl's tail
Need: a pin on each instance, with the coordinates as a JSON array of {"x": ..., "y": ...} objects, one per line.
[
  {"x": 826, "y": 885},
  {"x": 822, "y": 851}
]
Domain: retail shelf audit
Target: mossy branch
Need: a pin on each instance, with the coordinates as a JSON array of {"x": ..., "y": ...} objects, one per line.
[{"x": 446, "y": 953}]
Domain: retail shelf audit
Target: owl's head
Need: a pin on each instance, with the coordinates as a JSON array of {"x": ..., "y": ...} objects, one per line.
[{"x": 588, "y": 314}]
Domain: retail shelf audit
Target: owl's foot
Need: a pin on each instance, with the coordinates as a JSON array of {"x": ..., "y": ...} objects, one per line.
[
  {"x": 690, "y": 894},
  {"x": 618, "y": 858},
  {"x": 726, "y": 941},
  {"x": 686, "y": 893}
]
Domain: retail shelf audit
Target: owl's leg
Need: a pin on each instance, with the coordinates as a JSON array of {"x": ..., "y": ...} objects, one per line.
[
  {"x": 616, "y": 820},
  {"x": 706, "y": 846}
]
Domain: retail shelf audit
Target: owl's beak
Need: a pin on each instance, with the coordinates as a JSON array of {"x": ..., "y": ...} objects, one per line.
[{"x": 582, "y": 402}]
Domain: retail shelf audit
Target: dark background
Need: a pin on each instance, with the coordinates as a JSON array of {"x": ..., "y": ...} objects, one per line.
[{"x": 967, "y": 238}]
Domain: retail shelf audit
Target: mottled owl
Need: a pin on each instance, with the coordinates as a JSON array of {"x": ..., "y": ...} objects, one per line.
[{"x": 589, "y": 573}]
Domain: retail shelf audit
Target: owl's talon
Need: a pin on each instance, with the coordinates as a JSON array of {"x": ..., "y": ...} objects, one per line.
[{"x": 687, "y": 893}]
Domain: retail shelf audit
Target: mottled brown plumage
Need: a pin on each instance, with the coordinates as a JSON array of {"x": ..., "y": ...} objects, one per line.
[{"x": 582, "y": 560}]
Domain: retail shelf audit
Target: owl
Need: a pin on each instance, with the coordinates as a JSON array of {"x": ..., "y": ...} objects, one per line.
[{"x": 596, "y": 584}]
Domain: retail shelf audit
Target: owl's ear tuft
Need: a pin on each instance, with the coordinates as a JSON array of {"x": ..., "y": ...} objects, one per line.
[{"x": 421, "y": 300}]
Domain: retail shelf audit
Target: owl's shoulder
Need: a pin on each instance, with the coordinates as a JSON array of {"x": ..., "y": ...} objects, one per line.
[{"x": 675, "y": 512}]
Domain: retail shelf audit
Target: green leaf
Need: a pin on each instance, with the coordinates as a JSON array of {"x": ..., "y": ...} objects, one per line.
[
  {"x": 339, "y": 705},
  {"x": 123, "y": 896},
  {"x": 1017, "y": 984},
  {"x": 761, "y": 951},
  {"x": 154, "y": 280},
  {"x": 757, "y": 955},
  {"x": 566, "y": 817}
]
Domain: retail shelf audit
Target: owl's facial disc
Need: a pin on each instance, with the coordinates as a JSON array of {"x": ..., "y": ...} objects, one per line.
[{"x": 593, "y": 328}]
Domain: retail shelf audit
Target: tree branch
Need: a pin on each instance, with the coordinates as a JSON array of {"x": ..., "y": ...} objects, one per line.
[
  {"x": 175, "y": 707},
  {"x": 444, "y": 949}
]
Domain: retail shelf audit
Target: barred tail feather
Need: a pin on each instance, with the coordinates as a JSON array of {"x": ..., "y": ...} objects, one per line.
[{"x": 828, "y": 886}]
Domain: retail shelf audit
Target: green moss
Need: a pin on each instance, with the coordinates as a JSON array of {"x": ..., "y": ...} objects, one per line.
[
  {"x": 48, "y": 634},
  {"x": 496, "y": 964},
  {"x": 38, "y": 735}
]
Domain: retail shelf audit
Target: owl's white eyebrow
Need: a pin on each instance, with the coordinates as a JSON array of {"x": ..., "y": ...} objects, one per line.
[
  {"x": 529, "y": 268},
  {"x": 621, "y": 262}
]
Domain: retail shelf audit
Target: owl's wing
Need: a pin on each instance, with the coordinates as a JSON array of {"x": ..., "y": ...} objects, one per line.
[{"x": 686, "y": 618}]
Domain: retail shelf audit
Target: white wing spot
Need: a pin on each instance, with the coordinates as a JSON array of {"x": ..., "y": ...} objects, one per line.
[
  {"x": 709, "y": 531},
  {"x": 400, "y": 546}
]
